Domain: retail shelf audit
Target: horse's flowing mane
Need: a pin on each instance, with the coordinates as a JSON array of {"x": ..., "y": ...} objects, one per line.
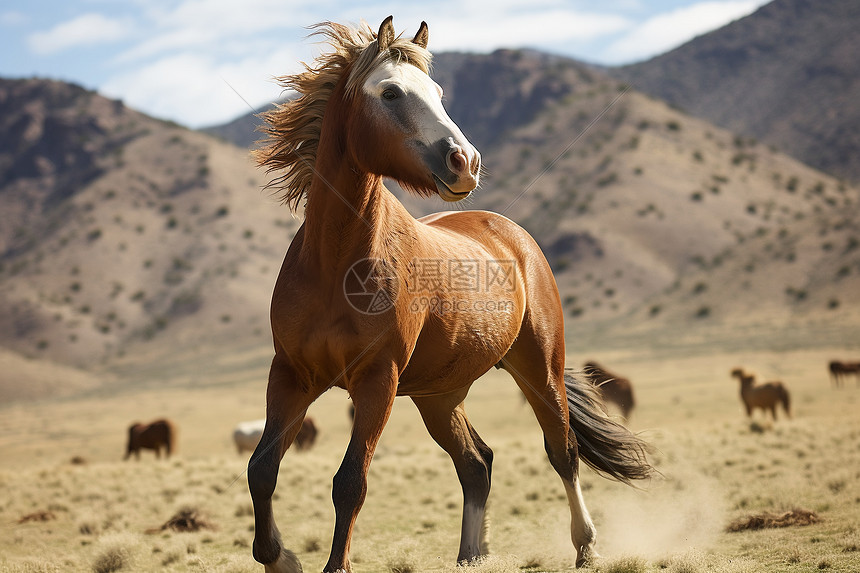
[{"x": 293, "y": 128}]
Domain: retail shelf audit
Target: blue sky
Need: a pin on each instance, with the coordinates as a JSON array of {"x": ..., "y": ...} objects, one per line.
[{"x": 183, "y": 59}]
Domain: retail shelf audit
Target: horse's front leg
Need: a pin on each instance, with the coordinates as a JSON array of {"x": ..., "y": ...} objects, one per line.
[
  {"x": 373, "y": 396},
  {"x": 286, "y": 404}
]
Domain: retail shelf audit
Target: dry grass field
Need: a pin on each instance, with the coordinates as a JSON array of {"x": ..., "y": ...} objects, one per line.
[{"x": 102, "y": 514}]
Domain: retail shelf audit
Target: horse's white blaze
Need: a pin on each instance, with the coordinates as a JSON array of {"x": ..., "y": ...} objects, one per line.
[{"x": 425, "y": 112}]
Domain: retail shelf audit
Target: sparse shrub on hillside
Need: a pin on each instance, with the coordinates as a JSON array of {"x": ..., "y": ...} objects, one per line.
[
  {"x": 222, "y": 211},
  {"x": 673, "y": 125},
  {"x": 833, "y": 303},
  {"x": 655, "y": 310},
  {"x": 696, "y": 196},
  {"x": 93, "y": 235},
  {"x": 607, "y": 179},
  {"x": 797, "y": 294},
  {"x": 703, "y": 312},
  {"x": 791, "y": 184},
  {"x": 643, "y": 125},
  {"x": 698, "y": 157}
]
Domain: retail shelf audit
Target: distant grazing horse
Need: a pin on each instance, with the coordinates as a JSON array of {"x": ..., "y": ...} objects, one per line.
[
  {"x": 840, "y": 369},
  {"x": 159, "y": 434},
  {"x": 371, "y": 300},
  {"x": 307, "y": 436},
  {"x": 612, "y": 387},
  {"x": 764, "y": 396},
  {"x": 247, "y": 435}
]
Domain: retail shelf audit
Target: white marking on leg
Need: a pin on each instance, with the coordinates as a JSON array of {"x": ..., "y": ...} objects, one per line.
[
  {"x": 582, "y": 531},
  {"x": 473, "y": 530}
]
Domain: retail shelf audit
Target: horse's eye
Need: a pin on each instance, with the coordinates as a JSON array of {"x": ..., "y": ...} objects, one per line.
[{"x": 389, "y": 94}]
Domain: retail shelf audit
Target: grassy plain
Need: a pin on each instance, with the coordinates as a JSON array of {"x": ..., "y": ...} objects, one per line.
[{"x": 717, "y": 467}]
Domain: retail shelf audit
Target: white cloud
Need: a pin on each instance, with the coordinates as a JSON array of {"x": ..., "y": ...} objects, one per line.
[
  {"x": 671, "y": 29},
  {"x": 532, "y": 28},
  {"x": 197, "y": 90},
  {"x": 173, "y": 67},
  {"x": 85, "y": 30},
  {"x": 175, "y": 70}
]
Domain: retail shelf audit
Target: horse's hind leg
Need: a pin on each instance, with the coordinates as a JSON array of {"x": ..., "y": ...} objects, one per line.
[
  {"x": 286, "y": 404},
  {"x": 445, "y": 418},
  {"x": 542, "y": 382}
]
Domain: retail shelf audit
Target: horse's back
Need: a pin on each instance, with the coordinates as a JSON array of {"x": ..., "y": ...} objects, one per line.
[
  {"x": 485, "y": 227},
  {"x": 471, "y": 233}
]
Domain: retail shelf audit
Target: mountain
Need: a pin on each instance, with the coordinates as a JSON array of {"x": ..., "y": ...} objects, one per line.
[
  {"x": 788, "y": 75},
  {"x": 121, "y": 234}
]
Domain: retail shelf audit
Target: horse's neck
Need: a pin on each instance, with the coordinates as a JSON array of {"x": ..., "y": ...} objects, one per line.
[{"x": 351, "y": 214}]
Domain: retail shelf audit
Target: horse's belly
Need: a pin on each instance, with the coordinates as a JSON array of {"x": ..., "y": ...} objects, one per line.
[{"x": 443, "y": 362}]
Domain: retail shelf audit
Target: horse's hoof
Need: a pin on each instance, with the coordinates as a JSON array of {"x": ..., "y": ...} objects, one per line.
[
  {"x": 287, "y": 562},
  {"x": 586, "y": 556}
]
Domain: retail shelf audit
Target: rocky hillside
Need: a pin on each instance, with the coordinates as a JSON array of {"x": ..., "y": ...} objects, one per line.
[
  {"x": 788, "y": 75},
  {"x": 120, "y": 232}
]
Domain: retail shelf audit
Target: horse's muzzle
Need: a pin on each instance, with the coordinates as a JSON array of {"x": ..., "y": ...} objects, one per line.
[{"x": 459, "y": 175}]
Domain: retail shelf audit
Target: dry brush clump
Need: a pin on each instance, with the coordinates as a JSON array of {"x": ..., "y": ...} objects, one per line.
[
  {"x": 766, "y": 520},
  {"x": 116, "y": 551}
]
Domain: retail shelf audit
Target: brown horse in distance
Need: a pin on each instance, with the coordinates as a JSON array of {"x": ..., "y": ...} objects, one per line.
[
  {"x": 155, "y": 436},
  {"x": 612, "y": 387},
  {"x": 307, "y": 436},
  {"x": 372, "y": 300},
  {"x": 765, "y": 396},
  {"x": 838, "y": 370}
]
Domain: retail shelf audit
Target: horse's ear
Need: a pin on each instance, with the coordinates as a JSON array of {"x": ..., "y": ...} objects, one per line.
[
  {"x": 423, "y": 35},
  {"x": 385, "y": 37}
]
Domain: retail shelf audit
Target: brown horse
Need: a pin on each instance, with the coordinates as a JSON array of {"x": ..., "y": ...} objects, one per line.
[
  {"x": 838, "y": 370},
  {"x": 159, "y": 434},
  {"x": 307, "y": 436},
  {"x": 374, "y": 301},
  {"x": 765, "y": 396},
  {"x": 612, "y": 387}
]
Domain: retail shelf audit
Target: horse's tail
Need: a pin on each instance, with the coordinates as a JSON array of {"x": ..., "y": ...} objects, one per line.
[
  {"x": 785, "y": 398},
  {"x": 605, "y": 445}
]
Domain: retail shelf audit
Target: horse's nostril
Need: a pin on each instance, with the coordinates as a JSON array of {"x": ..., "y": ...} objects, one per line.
[{"x": 457, "y": 161}]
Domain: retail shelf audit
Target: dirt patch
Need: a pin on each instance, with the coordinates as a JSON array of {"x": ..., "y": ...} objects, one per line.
[
  {"x": 38, "y": 516},
  {"x": 187, "y": 519},
  {"x": 766, "y": 520}
]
